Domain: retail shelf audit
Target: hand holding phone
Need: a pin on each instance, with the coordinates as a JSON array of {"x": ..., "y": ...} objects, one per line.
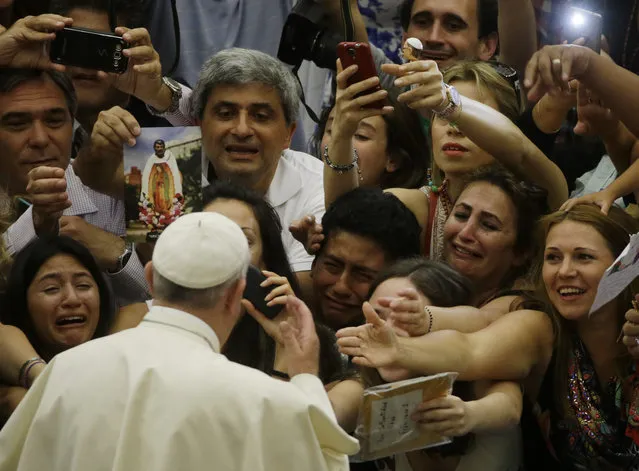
[
  {"x": 89, "y": 49},
  {"x": 257, "y": 294},
  {"x": 356, "y": 53},
  {"x": 579, "y": 23}
]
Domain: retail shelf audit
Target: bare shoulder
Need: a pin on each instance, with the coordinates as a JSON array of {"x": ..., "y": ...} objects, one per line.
[{"x": 415, "y": 200}]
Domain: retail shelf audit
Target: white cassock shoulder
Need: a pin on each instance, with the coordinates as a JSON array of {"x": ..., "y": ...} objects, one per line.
[{"x": 193, "y": 410}]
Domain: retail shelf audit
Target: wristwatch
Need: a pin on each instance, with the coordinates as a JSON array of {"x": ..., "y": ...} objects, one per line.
[
  {"x": 176, "y": 95},
  {"x": 453, "y": 103},
  {"x": 124, "y": 258}
]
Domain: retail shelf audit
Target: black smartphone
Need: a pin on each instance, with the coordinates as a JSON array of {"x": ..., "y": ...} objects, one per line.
[
  {"x": 580, "y": 23},
  {"x": 89, "y": 49},
  {"x": 256, "y": 293}
]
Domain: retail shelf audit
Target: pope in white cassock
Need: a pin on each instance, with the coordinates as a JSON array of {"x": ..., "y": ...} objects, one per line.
[
  {"x": 161, "y": 178},
  {"x": 160, "y": 397}
]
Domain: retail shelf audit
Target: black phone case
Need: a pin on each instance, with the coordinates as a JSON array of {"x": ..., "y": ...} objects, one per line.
[
  {"x": 256, "y": 294},
  {"x": 89, "y": 49}
]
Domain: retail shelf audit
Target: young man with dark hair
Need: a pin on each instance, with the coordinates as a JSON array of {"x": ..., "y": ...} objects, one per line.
[
  {"x": 456, "y": 30},
  {"x": 364, "y": 231}
]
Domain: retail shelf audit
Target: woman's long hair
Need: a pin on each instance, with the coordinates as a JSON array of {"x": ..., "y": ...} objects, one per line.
[
  {"x": 615, "y": 228},
  {"x": 24, "y": 269}
]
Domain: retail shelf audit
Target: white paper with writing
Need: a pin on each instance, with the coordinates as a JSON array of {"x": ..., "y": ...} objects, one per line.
[
  {"x": 391, "y": 420},
  {"x": 619, "y": 275}
]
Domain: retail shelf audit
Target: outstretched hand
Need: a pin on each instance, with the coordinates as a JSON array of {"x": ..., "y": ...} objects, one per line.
[
  {"x": 551, "y": 69},
  {"x": 373, "y": 344}
]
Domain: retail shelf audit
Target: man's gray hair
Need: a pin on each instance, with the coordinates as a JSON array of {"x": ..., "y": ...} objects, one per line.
[
  {"x": 165, "y": 290},
  {"x": 238, "y": 66}
]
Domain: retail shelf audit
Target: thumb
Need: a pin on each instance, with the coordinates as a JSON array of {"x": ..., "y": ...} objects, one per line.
[
  {"x": 288, "y": 336},
  {"x": 371, "y": 316},
  {"x": 581, "y": 128},
  {"x": 261, "y": 319}
]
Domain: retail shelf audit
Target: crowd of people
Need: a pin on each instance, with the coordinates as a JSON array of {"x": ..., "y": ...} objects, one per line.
[{"x": 454, "y": 213}]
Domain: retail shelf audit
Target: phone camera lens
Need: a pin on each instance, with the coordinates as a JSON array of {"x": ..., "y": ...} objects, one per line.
[{"x": 351, "y": 51}]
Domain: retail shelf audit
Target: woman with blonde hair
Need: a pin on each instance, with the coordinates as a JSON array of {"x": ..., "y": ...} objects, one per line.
[
  {"x": 586, "y": 397},
  {"x": 472, "y": 107}
]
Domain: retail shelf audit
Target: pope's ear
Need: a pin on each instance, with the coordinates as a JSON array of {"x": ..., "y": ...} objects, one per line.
[{"x": 148, "y": 275}]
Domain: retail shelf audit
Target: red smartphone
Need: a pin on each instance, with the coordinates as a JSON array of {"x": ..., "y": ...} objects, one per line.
[{"x": 350, "y": 53}]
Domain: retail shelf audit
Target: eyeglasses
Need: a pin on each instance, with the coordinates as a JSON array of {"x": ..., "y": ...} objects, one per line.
[{"x": 509, "y": 74}]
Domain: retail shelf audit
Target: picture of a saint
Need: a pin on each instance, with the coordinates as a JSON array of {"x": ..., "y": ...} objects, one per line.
[
  {"x": 162, "y": 185},
  {"x": 161, "y": 179}
]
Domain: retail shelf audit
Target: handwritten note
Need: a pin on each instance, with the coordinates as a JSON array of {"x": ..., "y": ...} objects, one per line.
[
  {"x": 619, "y": 275},
  {"x": 391, "y": 419},
  {"x": 384, "y": 426}
]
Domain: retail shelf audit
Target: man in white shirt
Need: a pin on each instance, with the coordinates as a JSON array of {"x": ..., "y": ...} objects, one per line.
[
  {"x": 161, "y": 396},
  {"x": 247, "y": 104},
  {"x": 36, "y": 131}
]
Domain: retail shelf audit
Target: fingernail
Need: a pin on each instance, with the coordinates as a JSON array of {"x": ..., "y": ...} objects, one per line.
[
  {"x": 527, "y": 83},
  {"x": 131, "y": 142},
  {"x": 263, "y": 283},
  {"x": 137, "y": 130},
  {"x": 399, "y": 82}
]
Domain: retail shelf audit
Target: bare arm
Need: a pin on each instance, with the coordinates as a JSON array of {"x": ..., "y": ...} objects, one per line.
[
  {"x": 523, "y": 337},
  {"x": 10, "y": 398},
  {"x": 345, "y": 397},
  {"x": 613, "y": 84},
  {"x": 15, "y": 350},
  {"x": 485, "y": 126},
  {"x": 517, "y": 32},
  {"x": 334, "y": 11},
  {"x": 499, "y": 407},
  {"x": 550, "y": 112},
  {"x": 348, "y": 112},
  {"x": 500, "y": 137}
]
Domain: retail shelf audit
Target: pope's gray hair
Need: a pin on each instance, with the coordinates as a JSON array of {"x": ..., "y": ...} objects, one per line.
[
  {"x": 207, "y": 298},
  {"x": 238, "y": 66}
]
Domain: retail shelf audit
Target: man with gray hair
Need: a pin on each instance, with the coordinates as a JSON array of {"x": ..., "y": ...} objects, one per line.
[
  {"x": 247, "y": 105},
  {"x": 161, "y": 396}
]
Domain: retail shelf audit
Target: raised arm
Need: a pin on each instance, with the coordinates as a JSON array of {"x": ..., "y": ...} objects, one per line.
[
  {"x": 517, "y": 32},
  {"x": 485, "y": 126},
  {"x": 553, "y": 67},
  {"x": 341, "y": 172},
  {"x": 523, "y": 337}
]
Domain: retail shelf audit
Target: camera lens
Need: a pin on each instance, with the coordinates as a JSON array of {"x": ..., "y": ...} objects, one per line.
[{"x": 351, "y": 51}]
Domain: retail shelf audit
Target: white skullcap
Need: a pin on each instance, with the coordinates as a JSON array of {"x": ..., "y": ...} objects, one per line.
[
  {"x": 200, "y": 250},
  {"x": 415, "y": 43}
]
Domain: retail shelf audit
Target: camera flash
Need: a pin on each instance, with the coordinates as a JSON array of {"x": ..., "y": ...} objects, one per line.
[{"x": 577, "y": 19}]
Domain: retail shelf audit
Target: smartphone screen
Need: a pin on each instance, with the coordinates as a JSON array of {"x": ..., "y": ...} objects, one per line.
[
  {"x": 579, "y": 23},
  {"x": 89, "y": 49},
  {"x": 256, "y": 294},
  {"x": 350, "y": 53}
]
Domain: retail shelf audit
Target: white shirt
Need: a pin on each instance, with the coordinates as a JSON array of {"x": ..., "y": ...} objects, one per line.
[
  {"x": 100, "y": 210},
  {"x": 297, "y": 190},
  {"x": 160, "y": 397}
]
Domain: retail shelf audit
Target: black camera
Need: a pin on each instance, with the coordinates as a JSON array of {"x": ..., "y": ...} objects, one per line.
[{"x": 305, "y": 38}]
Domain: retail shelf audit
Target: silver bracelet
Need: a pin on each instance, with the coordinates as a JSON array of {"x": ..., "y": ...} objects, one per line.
[{"x": 342, "y": 169}]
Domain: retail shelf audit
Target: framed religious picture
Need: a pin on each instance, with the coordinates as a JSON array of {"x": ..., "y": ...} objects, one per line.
[{"x": 163, "y": 180}]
